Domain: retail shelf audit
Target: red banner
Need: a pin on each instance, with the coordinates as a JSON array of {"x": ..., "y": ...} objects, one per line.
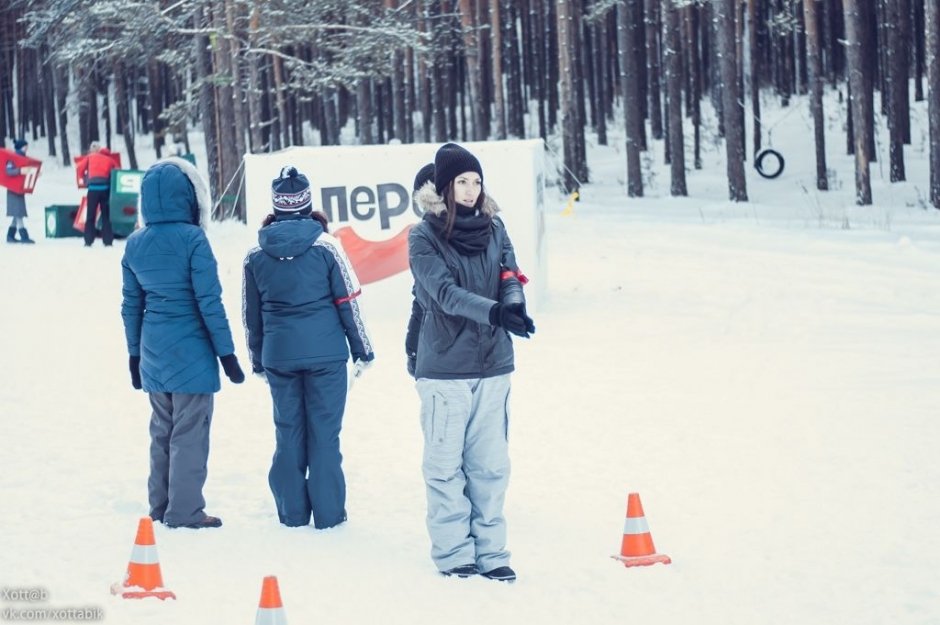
[
  {"x": 375, "y": 260},
  {"x": 25, "y": 182},
  {"x": 79, "y": 223}
]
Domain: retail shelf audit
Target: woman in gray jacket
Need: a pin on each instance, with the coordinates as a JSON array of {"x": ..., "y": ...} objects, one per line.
[{"x": 459, "y": 253}]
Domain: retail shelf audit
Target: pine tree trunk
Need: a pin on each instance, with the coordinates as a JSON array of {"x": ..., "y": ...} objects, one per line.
[
  {"x": 397, "y": 87},
  {"x": 364, "y": 111},
  {"x": 154, "y": 86},
  {"x": 49, "y": 99},
  {"x": 932, "y": 41},
  {"x": 691, "y": 20},
  {"x": 855, "y": 53},
  {"x": 653, "y": 57},
  {"x": 230, "y": 149},
  {"x": 552, "y": 60},
  {"x": 600, "y": 79},
  {"x": 919, "y": 27},
  {"x": 410, "y": 99},
  {"x": 540, "y": 77},
  {"x": 468, "y": 23},
  {"x": 120, "y": 95},
  {"x": 868, "y": 39},
  {"x": 254, "y": 82},
  {"x": 896, "y": 82},
  {"x": 279, "y": 136},
  {"x": 61, "y": 78},
  {"x": 496, "y": 49},
  {"x": 814, "y": 69},
  {"x": 904, "y": 68},
  {"x": 207, "y": 113},
  {"x": 7, "y": 122},
  {"x": 734, "y": 130},
  {"x": 672, "y": 57},
  {"x": 629, "y": 85},
  {"x": 754, "y": 71},
  {"x": 637, "y": 32},
  {"x": 576, "y": 44},
  {"x": 572, "y": 128},
  {"x": 515, "y": 101}
]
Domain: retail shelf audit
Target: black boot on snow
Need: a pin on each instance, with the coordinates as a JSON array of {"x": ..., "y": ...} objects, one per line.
[
  {"x": 11, "y": 235},
  {"x": 24, "y": 236}
]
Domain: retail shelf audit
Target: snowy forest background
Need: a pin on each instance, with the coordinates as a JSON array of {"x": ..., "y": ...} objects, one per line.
[{"x": 258, "y": 76}]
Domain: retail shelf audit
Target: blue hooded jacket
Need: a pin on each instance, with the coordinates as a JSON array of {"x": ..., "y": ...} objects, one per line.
[
  {"x": 299, "y": 295},
  {"x": 173, "y": 314}
]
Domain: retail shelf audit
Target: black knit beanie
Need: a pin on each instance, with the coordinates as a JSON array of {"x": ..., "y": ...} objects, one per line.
[
  {"x": 424, "y": 175},
  {"x": 450, "y": 161}
]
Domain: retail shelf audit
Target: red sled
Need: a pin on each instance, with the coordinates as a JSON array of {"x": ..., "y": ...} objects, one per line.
[
  {"x": 79, "y": 223},
  {"x": 25, "y": 182},
  {"x": 80, "y": 163}
]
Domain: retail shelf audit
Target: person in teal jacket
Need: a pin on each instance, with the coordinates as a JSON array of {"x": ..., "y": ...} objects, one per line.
[
  {"x": 176, "y": 328},
  {"x": 303, "y": 322}
]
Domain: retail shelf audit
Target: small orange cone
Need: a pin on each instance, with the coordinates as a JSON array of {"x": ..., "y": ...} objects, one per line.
[
  {"x": 270, "y": 608},
  {"x": 637, "y": 547},
  {"x": 143, "y": 577}
]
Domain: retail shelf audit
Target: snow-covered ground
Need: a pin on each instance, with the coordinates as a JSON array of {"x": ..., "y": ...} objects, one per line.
[{"x": 766, "y": 375}]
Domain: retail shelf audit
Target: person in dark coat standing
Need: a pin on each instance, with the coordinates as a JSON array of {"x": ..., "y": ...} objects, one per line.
[
  {"x": 460, "y": 254},
  {"x": 16, "y": 202},
  {"x": 303, "y": 319},
  {"x": 98, "y": 168},
  {"x": 424, "y": 175},
  {"x": 176, "y": 329}
]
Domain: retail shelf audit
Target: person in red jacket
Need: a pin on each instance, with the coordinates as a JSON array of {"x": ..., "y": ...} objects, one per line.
[{"x": 98, "y": 168}]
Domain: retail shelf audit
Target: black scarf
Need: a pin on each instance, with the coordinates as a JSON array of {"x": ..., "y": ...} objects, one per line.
[{"x": 471, "y": 233}]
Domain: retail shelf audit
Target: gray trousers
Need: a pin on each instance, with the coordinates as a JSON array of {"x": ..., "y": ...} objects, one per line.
[
  {"x": 466, "y": 469},
  {"x": 179, "y": 450}
]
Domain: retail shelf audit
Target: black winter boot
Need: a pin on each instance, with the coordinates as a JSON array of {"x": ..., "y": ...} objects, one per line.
[
  {"x": 24, "y": 236},
  {"x": 11, "y": 235}
]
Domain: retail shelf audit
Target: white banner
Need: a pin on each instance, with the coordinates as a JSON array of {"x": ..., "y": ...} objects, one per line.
[{"x": 368, "y": 188}]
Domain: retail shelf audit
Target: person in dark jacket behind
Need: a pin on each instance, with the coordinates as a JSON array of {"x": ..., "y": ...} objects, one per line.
[
  {"x": 16, "y": 202},
  {"x": 302, "y": 321},
  {"x": 460, "y": 254},
  {"x": 176, "y": 328},
  {"x": 424, "y": 175},
  {"x": 98, "y": 168}
]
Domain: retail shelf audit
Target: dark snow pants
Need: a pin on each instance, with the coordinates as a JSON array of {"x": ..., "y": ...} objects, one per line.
[
  {"x": 179, "y": 450},
  {"x": 95, "y": 200},
  {"x": 306, "y": 472}
]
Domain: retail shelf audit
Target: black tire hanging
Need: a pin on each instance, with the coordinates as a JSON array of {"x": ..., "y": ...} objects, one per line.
[{"x": 767, "y": 171}]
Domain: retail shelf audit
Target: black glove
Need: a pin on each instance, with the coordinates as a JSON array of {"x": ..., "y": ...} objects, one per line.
[
  {"x": 133, "y": 363},
  {"x": 232, "y": 369},
  {"x": 512, "y": 318},
  {"x": 412, "y": 363}
]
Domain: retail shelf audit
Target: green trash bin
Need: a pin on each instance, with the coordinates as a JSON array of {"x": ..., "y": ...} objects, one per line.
[
  {"x": 59, "y": 220},
  {"x": 125, "y": 188}
]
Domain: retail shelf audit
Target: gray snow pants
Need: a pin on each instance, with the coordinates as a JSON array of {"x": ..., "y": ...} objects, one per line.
[
  {"x": 179, "y": 450},
  {"x": 466, "y": 469}
]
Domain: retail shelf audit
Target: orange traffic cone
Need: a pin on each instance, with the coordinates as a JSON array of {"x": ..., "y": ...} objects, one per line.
[
  {"x": 143, "y": 577},
  {"x": 270, "y": 608},
  {"x": 637, "y": 547}
]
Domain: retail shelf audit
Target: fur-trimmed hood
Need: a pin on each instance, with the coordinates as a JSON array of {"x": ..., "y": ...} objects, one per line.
[
  {"x": 430, "y": 202},
  {"x": 174, "y": 191}
]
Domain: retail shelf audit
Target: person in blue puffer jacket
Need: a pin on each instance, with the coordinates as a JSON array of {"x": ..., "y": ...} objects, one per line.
[
  {"x": 302, "y": 321},
  {"x": 176, "y": 328}
]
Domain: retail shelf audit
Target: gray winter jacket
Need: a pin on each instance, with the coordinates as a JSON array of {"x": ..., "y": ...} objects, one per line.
[{"x": 456, "y": 292}]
